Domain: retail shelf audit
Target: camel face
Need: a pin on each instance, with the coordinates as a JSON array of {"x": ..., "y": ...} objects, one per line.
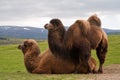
[{"x": 26, "y": 45}]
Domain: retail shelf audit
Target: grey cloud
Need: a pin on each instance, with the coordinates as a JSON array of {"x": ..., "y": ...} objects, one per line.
[
  {"x": 103, "y": 5},
  {"x": 20, "y": 9}
]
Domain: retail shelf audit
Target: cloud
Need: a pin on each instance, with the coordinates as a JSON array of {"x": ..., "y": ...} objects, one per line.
[{"x": 29, "y": 12}]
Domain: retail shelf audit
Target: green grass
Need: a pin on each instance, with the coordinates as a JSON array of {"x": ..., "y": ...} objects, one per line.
[
  {"x": 12, "y": 64},
  {"x": 28, "y": 76},
  {"x": 113, "y": 55},
  {"x": 10, "y": 41}
]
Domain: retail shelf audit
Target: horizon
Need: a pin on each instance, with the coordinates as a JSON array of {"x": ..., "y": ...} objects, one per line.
[{"x": 41, "y": 27}]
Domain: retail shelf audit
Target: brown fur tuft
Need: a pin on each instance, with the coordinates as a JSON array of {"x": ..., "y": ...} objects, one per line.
[
  {"x": 84, "y": 27},
  {"x": 56, "y": 32},
  {"x": 94, "y": 20}
]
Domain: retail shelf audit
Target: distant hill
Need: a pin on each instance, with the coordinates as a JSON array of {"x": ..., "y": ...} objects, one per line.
[
  {"x": 110, "y": 31},
  {"x": 32, "y": 32},
  {"x": 22, "y": 32}
]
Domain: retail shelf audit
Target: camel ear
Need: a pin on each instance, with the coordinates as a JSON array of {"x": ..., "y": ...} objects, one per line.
[{"x": 94, "y": 20}]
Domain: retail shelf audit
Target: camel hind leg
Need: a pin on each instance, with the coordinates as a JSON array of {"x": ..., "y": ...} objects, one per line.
[{"x": 101, "y": 54}]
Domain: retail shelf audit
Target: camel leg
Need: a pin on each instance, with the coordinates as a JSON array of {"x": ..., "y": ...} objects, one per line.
[
  {"x": 101, "y": 54},
  {"x": 81, "y": 52},
  {"x": 87, "y": 63},
  {"x": 41, "y": 71},
  {"x": 86, "y": 54},
  {"x": 82, "y": 56}
]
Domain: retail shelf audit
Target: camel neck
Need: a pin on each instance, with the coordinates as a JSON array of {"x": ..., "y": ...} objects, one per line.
[{"x": 31, "y": 60}]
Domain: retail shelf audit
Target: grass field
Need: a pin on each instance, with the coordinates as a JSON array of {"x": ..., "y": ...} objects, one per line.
[{"x": 12, "y": 66}]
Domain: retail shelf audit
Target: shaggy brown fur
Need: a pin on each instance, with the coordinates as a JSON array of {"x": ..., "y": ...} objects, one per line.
[
  {"x": 86, "y": 35},
  {"x": 47, "y": 63},
  {"x": 81, "y": 68},
  {"x": 94, "y": 20},
  {"x": 56, "y": 32},
  {"x": 61, "y": 42},
  {"x": 98, "y": 39},
  {"x": 78, "y": 41}
]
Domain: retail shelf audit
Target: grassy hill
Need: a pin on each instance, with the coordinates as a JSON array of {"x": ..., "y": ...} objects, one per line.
[{"x": 12, "y": 65}]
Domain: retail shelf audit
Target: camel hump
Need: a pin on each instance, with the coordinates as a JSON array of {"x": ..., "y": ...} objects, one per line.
[
  {"x": 94, "y": 20},
  {"x": 84, "y": 26},
  {"x": 56, "y": 22}
]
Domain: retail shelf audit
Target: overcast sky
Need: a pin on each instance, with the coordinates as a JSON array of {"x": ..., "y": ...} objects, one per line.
[{"x": 36, "y": 13}]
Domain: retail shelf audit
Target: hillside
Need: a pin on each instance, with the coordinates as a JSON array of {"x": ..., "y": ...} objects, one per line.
[
  {"x": 110, "y": 31},
  {"x": 32, "y": 32},
  {"x": 22, "y": 32}
]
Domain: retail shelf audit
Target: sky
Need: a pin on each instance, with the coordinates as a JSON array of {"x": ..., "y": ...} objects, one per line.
[{"x": 37, "y": 13}]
